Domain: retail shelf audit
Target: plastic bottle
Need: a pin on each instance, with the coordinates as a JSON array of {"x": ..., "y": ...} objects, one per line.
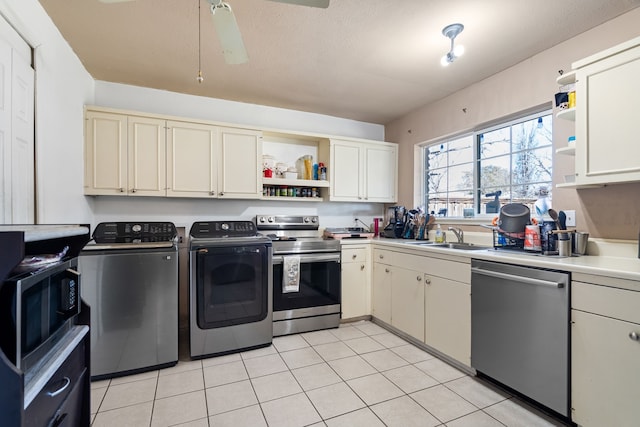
[{"x": 439, "y": 235}]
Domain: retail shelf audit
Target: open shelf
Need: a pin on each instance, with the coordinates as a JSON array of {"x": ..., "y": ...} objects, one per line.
[
  {"x": 293, "y": 199},
  {"x": 566, "y": 78},
  {"x": 567, "y": 151},
  {"x": 567, "y": 114},
  {"x": 296, "y": 182}
]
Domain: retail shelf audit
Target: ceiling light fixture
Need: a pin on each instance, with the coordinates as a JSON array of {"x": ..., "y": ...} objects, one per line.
[{"x": 451, "y": 31}]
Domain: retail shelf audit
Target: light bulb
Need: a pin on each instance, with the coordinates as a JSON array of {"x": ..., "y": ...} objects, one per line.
[
  {"x": 458, "y": 51},
  {"x": 444, "y": 61}
]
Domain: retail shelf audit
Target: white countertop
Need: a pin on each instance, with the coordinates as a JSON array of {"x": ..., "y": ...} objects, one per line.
[{"x": 600, "y": 265}]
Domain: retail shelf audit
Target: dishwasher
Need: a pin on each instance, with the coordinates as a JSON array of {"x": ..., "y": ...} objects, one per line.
[{"x": 520, "y": 322}]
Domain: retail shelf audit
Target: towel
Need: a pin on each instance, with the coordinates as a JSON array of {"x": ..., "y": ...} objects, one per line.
[{"x": 291, "y": 274}]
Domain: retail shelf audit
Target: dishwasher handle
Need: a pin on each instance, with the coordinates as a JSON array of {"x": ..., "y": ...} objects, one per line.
[{"x": 520, "y": 279}]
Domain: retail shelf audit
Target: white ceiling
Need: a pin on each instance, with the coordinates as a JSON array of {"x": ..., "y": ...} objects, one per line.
[{"x": 368, "y": 60}]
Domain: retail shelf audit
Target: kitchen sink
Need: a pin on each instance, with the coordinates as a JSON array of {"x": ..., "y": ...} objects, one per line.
[{"x": 462, "y": 246}]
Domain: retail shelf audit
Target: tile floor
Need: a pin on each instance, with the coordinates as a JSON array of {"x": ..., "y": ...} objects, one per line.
[{"x": 356, "y": 375}]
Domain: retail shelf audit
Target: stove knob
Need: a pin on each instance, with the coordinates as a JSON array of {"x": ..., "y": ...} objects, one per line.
[
  {"x": 314, "y": 219},
  {"x": 271, "y": 219},
  {"x": 306, "y": 219},
  {"x": 261, "y": 219}
]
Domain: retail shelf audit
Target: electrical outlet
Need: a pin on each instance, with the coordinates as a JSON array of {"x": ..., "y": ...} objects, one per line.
[{"x": 571, "y": 218}]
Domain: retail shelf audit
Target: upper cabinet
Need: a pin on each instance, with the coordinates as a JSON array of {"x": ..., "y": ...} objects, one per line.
[
  {"x": 124, "y": 155},
  {"x": 363, "y": 172},
  {"x": 606, "y": 115},
  {"x": 210, "y": 161}
]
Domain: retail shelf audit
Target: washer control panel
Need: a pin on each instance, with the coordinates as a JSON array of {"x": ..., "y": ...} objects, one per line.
[
  {"x": 221, "y": 229},
  {"x": 134, "y": 232}
]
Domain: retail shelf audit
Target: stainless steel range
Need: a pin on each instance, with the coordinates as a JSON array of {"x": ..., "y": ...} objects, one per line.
[{"x": 306, "y": 274}]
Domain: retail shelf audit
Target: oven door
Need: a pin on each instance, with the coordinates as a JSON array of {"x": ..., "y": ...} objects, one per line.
[
  {"x": 231, "y": 285},
  {"x": 319, "y": 282}
]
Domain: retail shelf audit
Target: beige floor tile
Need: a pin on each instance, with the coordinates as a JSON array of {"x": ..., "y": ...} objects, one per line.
[
  {"x": 360, "y": 418},
  {"x": 409, "y": 378},
  {"x": 275, "y": 386},
  {"x": 352, "y": 367},
  {"x": 389, "y": 340},
  {"x": 347, "y": 333},
  {"x": 182, "y": 366},
  {"x": 290, "y": 411},
  {"x": 334, "y": 400},
  {"x": 259, "y": 352},
  {"x": 100, "y": 384},
  {"x": 183, "y": 382},
  {"x": 316, "y": 376},
  {"x": 443, "y": 403},
  {"x": 179, "y": 409},
  {"x": 202, "y": 422},
  {"x": 334, "y": 350},
  {"x": 404, "y": 412},
  {"x": 374, "y": 388},
  {"x": 319, "y": 337},
  {"x": 220, "y": 360},
  {"x": 480, "y": 393},
  {"x": 475, "y": 419},
  {"x": 439, "y": 370},
  {"x": 97, "y": 394},
  {"x": 515, "y": 413},
  {"x": 369, "y": 328},
  {"x": 230, "y": 396},
  {"x": 130, "y": 416},
  {"x": 384, "y": 360},
  {"x": 121, "y": 395},
  {"x": 301, "y": 357},
  {"x": 411, "y": 353},
  {"x": 224, "y": 374},
  {"x": 320, "y": 424},
  {"x": 363, "y": 345},
  {"x": 250, "y": 416},
  {"x": 265, "y": 365},
  {"x": 133, "y": 378},
  {"x": 289, "y": 342}
]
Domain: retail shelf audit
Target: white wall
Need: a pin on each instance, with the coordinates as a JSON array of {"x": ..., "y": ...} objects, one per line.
[{"x": 62, "y": 87}]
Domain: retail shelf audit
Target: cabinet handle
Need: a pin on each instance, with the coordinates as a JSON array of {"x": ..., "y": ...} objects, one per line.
[
  {"x": 634, "y": 336},
  {"x": 66, "y": 382},
  {"x": 419, "y": 278},
  {"x": 212, "y": 193},
  {"x": 381, "y": 256},
  {"x": 354, "y": 256},
  {"x": 133, "y": 190},
  {"x": 386, "y": 270},
  {"x": 427, "y": 281},
  {"x": 121, "y": 190},
  {"x": 362, "y": 267},
  {"x": 221, "y": 194}
]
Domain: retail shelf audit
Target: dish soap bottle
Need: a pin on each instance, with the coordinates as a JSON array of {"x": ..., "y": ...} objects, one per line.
[{"x": 439, "y": 235}]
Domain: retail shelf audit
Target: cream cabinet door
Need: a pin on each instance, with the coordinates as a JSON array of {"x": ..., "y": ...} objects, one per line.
[
  {"x": 105, "y": 153},
  {"x": 605, "y": 377},
  {"x": 381, "y": 292},
  {"x": 608, "y": 111},
  {"x": 240, "y": 165},
  {"x": 407, "y": 302},
  {"x": 192, "y": 156},
  {"x": 355, "y": 283},
  {"x": 146, "y": 159},
  {"x": 448, "y": 317},
  {"x": 345, "y": 172},
  {"x": 381, "y": 176}
]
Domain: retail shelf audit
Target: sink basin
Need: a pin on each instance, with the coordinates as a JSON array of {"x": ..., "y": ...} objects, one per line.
[{"x": 462, "y": 246}]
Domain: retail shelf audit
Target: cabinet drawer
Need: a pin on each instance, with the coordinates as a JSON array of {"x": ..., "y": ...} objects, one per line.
[
  {"x": 383, "y": 256},
  {"x": 611, "y": 302},
  {"x": 45, "y": 404},
  {"x": 354, "y": 255},
  {"x": 458, "y": 271}
]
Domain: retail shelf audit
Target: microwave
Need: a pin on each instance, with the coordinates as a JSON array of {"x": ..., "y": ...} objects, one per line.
[{"x": 37, "y": 308}]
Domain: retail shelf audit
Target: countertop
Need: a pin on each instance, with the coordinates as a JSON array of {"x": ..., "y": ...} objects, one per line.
[{"x": 621, "y": 267}]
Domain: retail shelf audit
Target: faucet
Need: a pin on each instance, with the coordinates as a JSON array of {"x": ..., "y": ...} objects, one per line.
[{"x": 459, "y": 233}]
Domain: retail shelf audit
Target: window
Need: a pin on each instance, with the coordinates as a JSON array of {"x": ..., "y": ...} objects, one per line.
[{"x": 476, "y": 173}]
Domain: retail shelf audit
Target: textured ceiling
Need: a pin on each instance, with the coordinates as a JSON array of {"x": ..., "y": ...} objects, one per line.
[{"x": 369, "y": 60}]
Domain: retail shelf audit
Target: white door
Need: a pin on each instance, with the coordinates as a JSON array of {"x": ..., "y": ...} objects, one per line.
[
  {"x": 240, "y": 172},
  {"x": 346, "y": 176},
  {"x": 5, "y": 132},
  {"x": 381, "y": 173},
  {"x": 105, "y": 153},
  {"x": 146, "y": 142}
]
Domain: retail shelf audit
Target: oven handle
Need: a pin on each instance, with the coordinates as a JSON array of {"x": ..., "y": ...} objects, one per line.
[
  {"x": 520, "y": 279},
  {"x": 308, "y": 258}
]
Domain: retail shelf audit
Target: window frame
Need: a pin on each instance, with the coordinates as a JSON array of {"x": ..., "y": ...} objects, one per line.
[{"x": 422, "y": 196}]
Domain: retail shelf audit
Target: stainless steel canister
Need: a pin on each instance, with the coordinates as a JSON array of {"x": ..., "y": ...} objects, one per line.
[{"x": 580, "y": 239}]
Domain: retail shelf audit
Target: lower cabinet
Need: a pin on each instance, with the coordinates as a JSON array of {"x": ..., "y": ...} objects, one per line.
[
  {"x": 356, "y": 288},
  {"x": 407, "y": 301},
  {"x": 381, "y": 284},
  {"x": 605, "y": 350}
]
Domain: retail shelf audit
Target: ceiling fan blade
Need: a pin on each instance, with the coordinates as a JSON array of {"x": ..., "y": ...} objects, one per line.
[
  {"x": 229, "y": 34},
  {"x": 312, "y": 3}
]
